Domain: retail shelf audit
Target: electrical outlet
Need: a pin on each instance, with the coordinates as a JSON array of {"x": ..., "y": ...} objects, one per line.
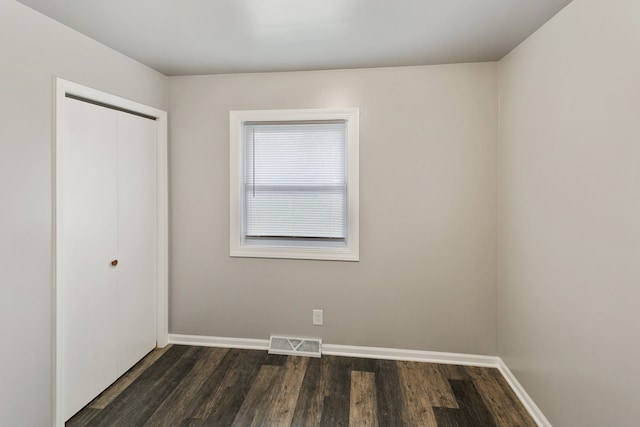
[{"x": 318, "y": 318}]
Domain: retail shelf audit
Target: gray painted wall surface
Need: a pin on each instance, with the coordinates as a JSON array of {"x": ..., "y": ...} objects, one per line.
[
  {"x": 570, "y": 217},
  {"x": 428, "y": 201},
  {"x": 34, "y": 49}
]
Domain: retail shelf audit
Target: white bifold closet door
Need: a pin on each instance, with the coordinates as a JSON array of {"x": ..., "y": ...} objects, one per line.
[{"x": 108, "y": 215}]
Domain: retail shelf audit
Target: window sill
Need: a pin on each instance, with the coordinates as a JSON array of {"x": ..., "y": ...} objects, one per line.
[{"x": 325, "y": 254}]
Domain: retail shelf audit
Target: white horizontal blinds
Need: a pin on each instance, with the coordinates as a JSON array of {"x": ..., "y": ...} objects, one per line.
[{"x": 294, "y": 180}]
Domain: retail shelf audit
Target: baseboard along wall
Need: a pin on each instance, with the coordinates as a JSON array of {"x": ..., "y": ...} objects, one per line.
[{"x": 383, "y": 353}]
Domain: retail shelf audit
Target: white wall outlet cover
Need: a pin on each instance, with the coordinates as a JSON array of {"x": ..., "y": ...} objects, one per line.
[{"x": 318, "y": 317}]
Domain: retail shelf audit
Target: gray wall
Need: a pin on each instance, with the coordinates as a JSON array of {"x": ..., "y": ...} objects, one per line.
[
  {"x": 428, "y": 201},
  {"x": 34, "y": 49},
  {"x": 570, "y": 217}
]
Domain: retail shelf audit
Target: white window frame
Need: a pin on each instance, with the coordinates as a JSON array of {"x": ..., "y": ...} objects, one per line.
[{"x": 287, "y": 249}]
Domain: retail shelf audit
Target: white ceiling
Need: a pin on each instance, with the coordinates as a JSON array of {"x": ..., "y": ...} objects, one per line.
[{"x": 185, "y": 37}]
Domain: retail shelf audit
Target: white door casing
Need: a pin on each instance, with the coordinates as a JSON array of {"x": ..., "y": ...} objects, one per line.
[{"x": 118, "y": 198}]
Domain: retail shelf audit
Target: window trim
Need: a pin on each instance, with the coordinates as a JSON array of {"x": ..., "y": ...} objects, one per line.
[{"x": 297, "y": 250}]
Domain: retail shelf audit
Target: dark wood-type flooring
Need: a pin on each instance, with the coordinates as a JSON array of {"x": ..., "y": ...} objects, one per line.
[{"x": 201, "y": 386}]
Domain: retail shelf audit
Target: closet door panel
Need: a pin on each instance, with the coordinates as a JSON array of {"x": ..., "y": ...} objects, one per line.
[
  {"x": 88, "y": 224},
  {"x": 137, "y": 241}
]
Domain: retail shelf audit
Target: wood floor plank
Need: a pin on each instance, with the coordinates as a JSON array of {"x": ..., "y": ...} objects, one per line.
[
  {"x": 415, "y": 395},
  {"x": 260, "y": 417},
  {"x": 437, "y": 386},
  {"x": 363, "y": 402},
  {"x": 308, "y": 411},
  {"x": 497, "y": 402},
  {"x": 175, "y": 413},
  {"x": 127, "y": 379},
  {"x": 471, "y": 402},
  {"x": 257, "y": 397},
  {"x": 197, "y": 408},
  {"x": 227, "y": 401},
  {"x": 472, "y": 410},
  {"x": 360, "y": 364},
  {"x": 449, "y": 417},
  {"x": 454, "y": 372},
  {"x": 275, "y": 359},
  {"x": 284, "y": 405},
  {"x": 337, "y": 386},
  {"x": 389, "y": 401},
  {"x": 83, "y": 418},
  {"x": 137, "y": 402}
]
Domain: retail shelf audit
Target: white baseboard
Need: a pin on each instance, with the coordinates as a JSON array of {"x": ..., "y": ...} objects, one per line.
[
  {"x": 524, "y": 397},
  {"x": 345, "y": 350},
  {"x": 383, "y": 353},
  {"x": 205, "y": 341},
  {"x": 410, "y": 355}
]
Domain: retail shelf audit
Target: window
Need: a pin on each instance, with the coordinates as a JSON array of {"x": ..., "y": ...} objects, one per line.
[{"x": 294, "y": 184}]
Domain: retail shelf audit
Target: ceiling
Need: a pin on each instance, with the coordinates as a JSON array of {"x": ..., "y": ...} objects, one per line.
[{"x": 187, "y": 37}]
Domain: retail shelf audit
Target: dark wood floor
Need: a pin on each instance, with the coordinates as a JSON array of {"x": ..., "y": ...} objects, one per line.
[{"x": 200, "y": 386}]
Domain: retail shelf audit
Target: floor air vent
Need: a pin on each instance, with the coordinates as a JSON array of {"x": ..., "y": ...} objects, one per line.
[{"x": 311, "y": 347}]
